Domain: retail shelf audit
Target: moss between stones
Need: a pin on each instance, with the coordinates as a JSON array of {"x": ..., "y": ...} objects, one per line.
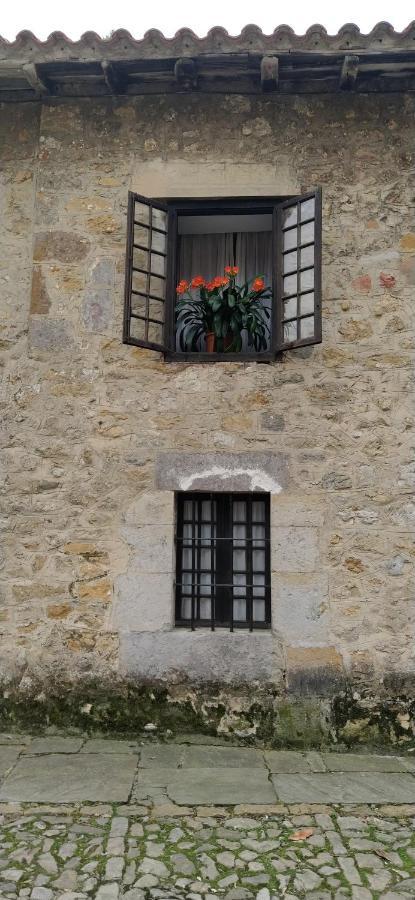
[{"x": 271, "y": 720}]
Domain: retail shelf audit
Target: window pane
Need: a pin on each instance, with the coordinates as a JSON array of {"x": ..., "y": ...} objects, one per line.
[
  {"x": 307, "y": 233},
  {"x": 290, "y": 331},
  {"x": 157, "y": 287},
  {"x": 141, "y": 259},
  {"x": 290, "y": 238},
  {"x": 158, "y": 264},
  {"x": 158, "y": 241},
  {"x": 307, "y": 327},
  {"x": 307, "y": 209},
  {"x": 239, "y": 560},
  {"x": 239, "y": 535},
  {"x": 258, "y": 560},
  {"x": 290, "y": 285},
  {"x": 239, "y": 585},
  {"x": 290, "y": 308},
  {"x": 290, "y": 262},
  {"x": 307, "y": 280},
  {"x": 206, "y": 510},
  {"x": 258, "y": 607},
  {"x": 155, "y": 333},
  {"x": 289, "y": 216},
  {"x": 258, "y": 511},
  {"x": 138, "y": 329},
  {"x": 307, "y": 304},
  {"x": 239, "y": 511},
  {"x": 205, "y": 609},
  {"x": 239, "y": 610},
  {"x": 156, "y": 310},
  {"x": 186, "y": 608},
  {"x": 142, "y": 213},
  {"x": 186, "y": 558},
  {"x": 205, "y": 559},
  {"x": 307, "y": 256},
  {"x": 258, "y": 535},
  {"x": 159, "y": 218},
  {"x": 141, "y": 235}
]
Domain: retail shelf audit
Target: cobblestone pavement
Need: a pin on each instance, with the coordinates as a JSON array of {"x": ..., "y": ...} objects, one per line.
[
  {"x": 107, "y": 853},
  {"x": 107, "y": 819}
]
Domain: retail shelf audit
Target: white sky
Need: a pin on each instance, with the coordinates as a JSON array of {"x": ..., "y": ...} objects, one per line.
[{"x": 76, "y": 16}]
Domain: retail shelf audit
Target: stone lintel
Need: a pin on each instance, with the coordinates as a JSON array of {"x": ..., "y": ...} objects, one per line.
[{"x": 221, "y": 472}]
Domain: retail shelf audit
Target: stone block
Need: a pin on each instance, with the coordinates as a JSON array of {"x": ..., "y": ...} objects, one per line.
[
  {"x": 253, "y": 471},
  {"x": 53, "y": 335},
  {"x": 64, "y": 246},
  {"x": 294, "y": 549},
  {"x": 151, "y": 508},
  {"x": 39, "y": 300},
  {"x": 153, "y": 548},
  {"x": 300, "y": 608},
  {"x": 272, "y": 422},
  {"x": 97, "y": 309},
  {"x": 201, "y": 656},
  {"x": 143, "y": 601},
  {"x": 314, "y": 670}
]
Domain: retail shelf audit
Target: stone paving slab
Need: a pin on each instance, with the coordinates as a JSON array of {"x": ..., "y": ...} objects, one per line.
[
  {"x": 356, "y": 787},
  {"x": 53, "y": 745},
  {"x": 161, "y": 756},
  {"x": 215, "y": 757},
  {"x": 8, "y": 757},
  {"x": 65, "y": 778},
  {"x": 289, "y": 762},
  {"x": 222, "y": 786},
  {"x": 363, "y": 762},
  {"x": 104, "y": 745}
]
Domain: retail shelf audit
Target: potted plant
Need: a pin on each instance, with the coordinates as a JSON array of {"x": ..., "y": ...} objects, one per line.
[{"x": 220, "y": 310}]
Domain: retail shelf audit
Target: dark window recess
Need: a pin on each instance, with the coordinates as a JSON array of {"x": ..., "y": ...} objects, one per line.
[
  {"x": 223, "y": 569},
  {"x": 167, "y": 242}
]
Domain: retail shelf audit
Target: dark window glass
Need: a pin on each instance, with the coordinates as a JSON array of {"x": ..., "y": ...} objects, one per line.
[{"x": 223, "y": 560}]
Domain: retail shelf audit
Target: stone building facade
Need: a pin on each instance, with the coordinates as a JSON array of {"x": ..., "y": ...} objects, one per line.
[{"x": 98, "y": 436}]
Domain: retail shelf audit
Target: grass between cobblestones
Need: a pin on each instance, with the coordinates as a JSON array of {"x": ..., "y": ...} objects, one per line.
[{"x": 108, "y": 853}]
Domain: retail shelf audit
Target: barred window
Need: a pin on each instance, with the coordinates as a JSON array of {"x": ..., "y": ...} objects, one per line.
[{"x": 223, "y": 571}]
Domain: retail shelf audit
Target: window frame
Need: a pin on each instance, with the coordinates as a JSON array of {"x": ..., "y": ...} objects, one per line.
[
  {"x": 213, "y": 206},
  {"x": 221, "y": 597}
]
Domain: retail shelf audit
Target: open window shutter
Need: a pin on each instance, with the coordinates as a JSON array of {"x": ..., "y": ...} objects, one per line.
[
  {"x": 298, "y": 271},
  {"x": 146, "y": 274}
]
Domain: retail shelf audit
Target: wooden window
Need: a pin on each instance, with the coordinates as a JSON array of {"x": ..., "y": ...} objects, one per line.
[
  {"x": 223, "y": 569},
  {"x": 153, "y": 268}
]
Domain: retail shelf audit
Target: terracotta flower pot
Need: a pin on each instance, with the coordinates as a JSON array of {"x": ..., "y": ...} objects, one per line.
[{"x": 210, "y": 342}]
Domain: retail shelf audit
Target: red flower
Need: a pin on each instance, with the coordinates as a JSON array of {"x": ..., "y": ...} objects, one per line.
[
  {"x": 197, "y": 281},
  {"x": 258, "y": 284},
  {"x": 182, "y": 287},
  {"x": 217, "y": 282},
  {"x": 231, "y": 270}
]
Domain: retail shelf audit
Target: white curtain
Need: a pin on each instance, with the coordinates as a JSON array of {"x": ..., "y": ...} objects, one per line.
[{"x": 205, "y": 254}]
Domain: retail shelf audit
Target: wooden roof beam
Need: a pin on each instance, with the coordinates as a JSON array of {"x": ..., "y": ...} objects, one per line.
[
  {"x": 269, "y": 73},
  {"x": 185, "y": 73},
  {"x": 39, "y": 83},
  {"x": 349, "y": 72},
  {"x": 115, "y": 83}
]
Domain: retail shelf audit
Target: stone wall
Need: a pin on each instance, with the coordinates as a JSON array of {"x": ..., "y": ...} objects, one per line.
[{"x": 90, "y": 426}]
